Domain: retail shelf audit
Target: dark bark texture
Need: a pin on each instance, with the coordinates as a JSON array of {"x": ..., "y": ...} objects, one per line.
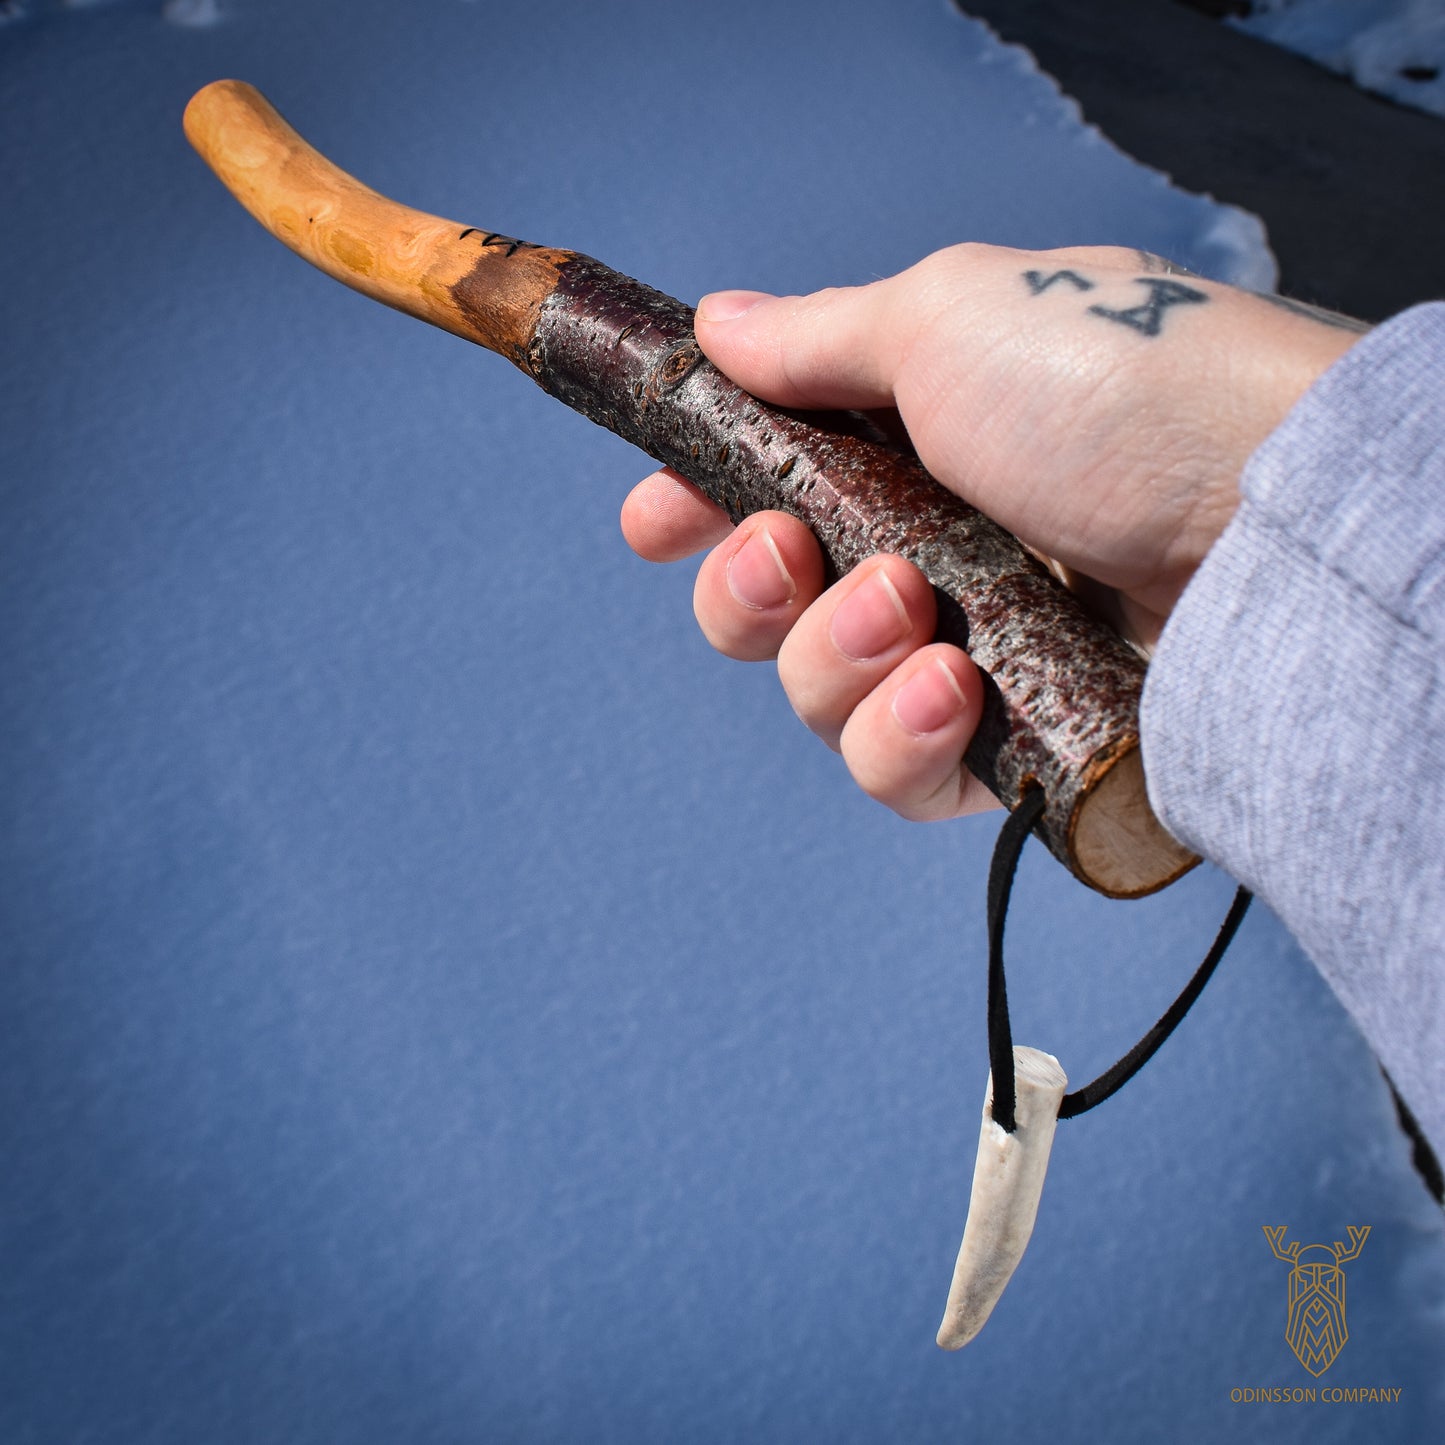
[{"x": 1062, "y": 689}]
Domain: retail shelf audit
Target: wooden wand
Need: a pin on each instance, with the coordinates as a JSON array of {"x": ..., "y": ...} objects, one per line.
[{"x": 1061, "y": 689}]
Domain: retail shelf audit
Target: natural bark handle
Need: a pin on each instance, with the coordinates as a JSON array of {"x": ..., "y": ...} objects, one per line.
[{"x": 1063, "y": 690}]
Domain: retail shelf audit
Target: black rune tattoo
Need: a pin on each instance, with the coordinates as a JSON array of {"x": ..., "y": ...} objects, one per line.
[
  {"x": 1146, "y": 317},
  {"x": 1038, "y": 282}
]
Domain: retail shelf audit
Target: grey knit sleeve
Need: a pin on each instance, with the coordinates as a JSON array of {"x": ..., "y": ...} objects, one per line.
[{"x": 1294, "y": 715}]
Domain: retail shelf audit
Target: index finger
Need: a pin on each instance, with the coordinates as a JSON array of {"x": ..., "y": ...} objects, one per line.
[{"x": 665, "y": 518}]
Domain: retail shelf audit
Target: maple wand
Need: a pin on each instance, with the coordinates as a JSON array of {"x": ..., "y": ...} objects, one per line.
[{"x": 1061, "y": 688}]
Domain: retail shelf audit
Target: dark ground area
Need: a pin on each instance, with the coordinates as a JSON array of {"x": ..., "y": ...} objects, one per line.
[{"x": 1350, "y": 186}]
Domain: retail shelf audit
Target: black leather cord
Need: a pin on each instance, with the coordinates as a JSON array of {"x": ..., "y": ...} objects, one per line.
[{"x": 1011, "y": 839}]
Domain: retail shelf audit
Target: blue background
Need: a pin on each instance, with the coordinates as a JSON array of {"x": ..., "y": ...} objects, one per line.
[{"x": 443, "y": 1000}]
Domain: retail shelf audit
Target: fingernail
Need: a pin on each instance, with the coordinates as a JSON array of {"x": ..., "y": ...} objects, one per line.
[
  {"x": 756, "y": 575},
  {"x": 870, "y": 619},
  {"x": 728, "y": 305},
  {"x": 929, "y": 699}
]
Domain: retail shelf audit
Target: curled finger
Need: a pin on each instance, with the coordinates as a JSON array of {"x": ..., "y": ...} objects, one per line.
[
  {"x": 753, "y": 587},
  {"x": 904, "y": 743},
  {"x": 666, "y": 518}
]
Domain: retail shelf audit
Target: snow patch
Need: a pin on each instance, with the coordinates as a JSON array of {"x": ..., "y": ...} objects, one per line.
[
  {"x": 195, "y": 13},
  {"x": 1231, "y": 245},
  {"x": 1238, "y": 245},
  {"x": 1395, "y": 48},
  {"x": 191, "y": 13}
]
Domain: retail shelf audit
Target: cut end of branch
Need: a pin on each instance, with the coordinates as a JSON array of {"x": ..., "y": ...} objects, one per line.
[{"x": 1116, "y": 844}]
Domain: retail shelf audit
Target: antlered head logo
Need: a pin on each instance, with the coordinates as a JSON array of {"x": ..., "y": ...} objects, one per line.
[{"x": 1315, "y": 1326}]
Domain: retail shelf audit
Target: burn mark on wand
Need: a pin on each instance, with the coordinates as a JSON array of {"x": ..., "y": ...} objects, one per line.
[{"x": 495, "y": 238}]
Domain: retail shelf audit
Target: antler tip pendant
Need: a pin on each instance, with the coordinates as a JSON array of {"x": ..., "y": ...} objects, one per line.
[
  {"x": 1061, "y": 710},
  {"x": 1008, "y": 1180}
]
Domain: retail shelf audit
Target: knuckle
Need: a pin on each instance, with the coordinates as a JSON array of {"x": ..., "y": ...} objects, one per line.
[
  {"x": 966, "y": 255},
  {"x": 876, "y": 765},
  {"x": 812, "y": 683},
  {"x": 960, "y": 268},
  {"x": 937, "y": 276},
  {"x": 808, "y": 695},
  {"x": 1108, "y": 258},
  {"x": 742, "y": 644},
  {"x": 912, "y": 799},
  {"x": 868, "y": 780}
]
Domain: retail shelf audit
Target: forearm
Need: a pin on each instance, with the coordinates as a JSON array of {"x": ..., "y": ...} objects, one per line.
[{"x": 1294, "y": 720}]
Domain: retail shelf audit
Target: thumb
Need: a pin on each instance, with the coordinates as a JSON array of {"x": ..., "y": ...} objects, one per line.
[{"x": 836, "y": 348}]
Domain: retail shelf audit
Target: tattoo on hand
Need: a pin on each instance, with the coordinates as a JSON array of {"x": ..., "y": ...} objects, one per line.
[
  {"x": 1325, "y": 317},
  {"x": 1146, "y": 318},
  {"x": 1039, "y": 283}
]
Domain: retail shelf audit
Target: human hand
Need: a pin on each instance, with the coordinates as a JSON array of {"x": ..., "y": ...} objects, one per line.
[{"x": 1095, "y": 401}]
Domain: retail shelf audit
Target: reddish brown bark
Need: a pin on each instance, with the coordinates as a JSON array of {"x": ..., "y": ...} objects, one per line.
[{"x": 1062, "y": 690}]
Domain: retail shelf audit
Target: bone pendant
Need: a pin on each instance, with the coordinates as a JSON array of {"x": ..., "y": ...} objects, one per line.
[{"x": 1007, "y": 1181}]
